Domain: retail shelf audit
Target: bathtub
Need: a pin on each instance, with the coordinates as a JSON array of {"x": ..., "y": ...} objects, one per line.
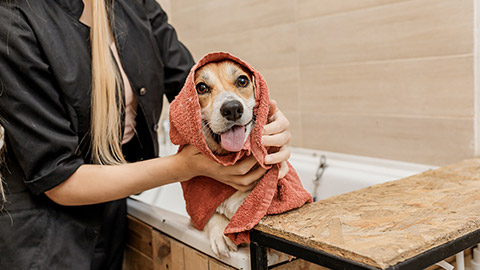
[{"x": 164, "y": 208}]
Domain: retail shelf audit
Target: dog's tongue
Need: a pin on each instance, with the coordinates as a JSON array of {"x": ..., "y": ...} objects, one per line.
[{"x": 233, "y": 139}]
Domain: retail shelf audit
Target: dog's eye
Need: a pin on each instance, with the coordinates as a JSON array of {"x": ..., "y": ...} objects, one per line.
[
  {"x": 202, "y": 88},
  {"x": 242, "y": 81}
]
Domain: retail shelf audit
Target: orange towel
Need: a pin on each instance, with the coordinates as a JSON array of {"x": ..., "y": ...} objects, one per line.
[{"x": 202, "y": 194}]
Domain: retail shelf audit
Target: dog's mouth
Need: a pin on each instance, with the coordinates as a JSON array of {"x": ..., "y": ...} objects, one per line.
[{"x": 232, "y": 139}]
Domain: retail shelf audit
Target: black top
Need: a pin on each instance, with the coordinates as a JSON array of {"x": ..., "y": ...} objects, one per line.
[{"x": 45, "y": 83}]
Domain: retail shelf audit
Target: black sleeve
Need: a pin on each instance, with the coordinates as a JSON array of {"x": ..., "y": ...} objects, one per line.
[
  {"x": 32, "y": 112},
  {"x": 175, "y": 56}
]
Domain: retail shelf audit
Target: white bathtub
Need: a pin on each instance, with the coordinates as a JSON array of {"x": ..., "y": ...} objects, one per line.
[{"x": 164, "y": 208}]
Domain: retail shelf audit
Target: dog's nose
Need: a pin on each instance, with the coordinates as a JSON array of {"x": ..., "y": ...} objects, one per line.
[{"x": 232, "y": 110}]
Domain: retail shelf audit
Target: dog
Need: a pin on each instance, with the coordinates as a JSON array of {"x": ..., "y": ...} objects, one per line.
[{"x": 226, "y": 93}]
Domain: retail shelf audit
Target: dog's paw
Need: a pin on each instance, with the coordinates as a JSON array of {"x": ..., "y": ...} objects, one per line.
[
  {"x": 222, "y": 245},
  {"x": 219, "y": 243}
]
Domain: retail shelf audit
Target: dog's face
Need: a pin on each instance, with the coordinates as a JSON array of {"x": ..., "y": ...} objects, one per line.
[{"x": 226, "y": 93}]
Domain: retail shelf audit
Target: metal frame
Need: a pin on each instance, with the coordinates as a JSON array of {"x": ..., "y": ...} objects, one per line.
[{"x": 259, "y": 241}]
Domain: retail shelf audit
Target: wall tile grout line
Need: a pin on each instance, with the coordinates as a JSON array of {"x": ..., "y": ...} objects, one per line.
[
  {"x": 354, "y": 10},
  {"x": 391, "y": 60}
]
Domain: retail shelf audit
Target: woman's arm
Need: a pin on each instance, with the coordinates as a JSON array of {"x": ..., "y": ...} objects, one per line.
[
  {"x": 95, "y": 183},
  {"x": 25, "y": 99},
  {"x": 92, "y": 184}
]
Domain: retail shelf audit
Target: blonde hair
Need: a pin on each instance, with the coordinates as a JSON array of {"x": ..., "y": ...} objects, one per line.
[{"x": 107, "y": 98}]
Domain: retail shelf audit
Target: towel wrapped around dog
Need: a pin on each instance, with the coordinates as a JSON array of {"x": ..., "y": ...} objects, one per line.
[{"x": 202, "y": 194}]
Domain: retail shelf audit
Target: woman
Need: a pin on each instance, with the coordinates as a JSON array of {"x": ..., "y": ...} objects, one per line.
[{"x": 81, "y": 90}]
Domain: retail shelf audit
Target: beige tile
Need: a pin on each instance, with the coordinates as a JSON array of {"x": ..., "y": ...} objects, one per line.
[
  {"x": 271, "y": 47},
  {"x": 436, "y": 141},
  {"x": 313, "y": 8},
  {"x": 185, "y": 22},
  {"x": 426, "y": 87},
  {"x": 283, "y": 85},
  {"x": 344, "y": 74},
  {"x": 294, "y": 117},
  {"x": 180, "y": 5},
  {"x": 477, "y": 77},
  {"x": 218, "y": 17},
  {"x": 195, "y": 46},
  {"x": 408, "y": 29},
  {"x": 166, "y": 5}
]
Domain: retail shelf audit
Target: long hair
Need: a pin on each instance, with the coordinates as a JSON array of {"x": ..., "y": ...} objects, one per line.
[
  {"x": 105, "y": 127},
  {"x": 106, "y": 97}
]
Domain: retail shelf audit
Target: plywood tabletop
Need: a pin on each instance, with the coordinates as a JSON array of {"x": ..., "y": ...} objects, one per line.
[{"x": 388, "y": 223}]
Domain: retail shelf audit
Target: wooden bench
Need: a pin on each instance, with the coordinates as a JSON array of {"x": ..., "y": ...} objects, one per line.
[{"x": 405, "y": 224}]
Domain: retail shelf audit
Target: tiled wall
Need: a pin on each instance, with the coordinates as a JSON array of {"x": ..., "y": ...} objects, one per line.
[{"x": 383, "y": 78}]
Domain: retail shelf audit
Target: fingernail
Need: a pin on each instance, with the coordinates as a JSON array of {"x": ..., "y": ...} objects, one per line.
[{"x": 268, "y": 159}]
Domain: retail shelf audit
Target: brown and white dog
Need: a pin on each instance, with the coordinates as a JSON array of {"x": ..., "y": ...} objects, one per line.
[{"x": 226, "y": 93}]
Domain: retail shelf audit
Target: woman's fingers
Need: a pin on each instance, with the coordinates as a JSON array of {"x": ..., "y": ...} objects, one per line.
[
  {"x": 282, "y": 155},
  {"x": 244, "y": 166},
  {"x": 283, "y": 170},
  {"x": 278, "y": 123},
  {"x": 277, "y": 140},
  {"x": 248, "y": 181}
]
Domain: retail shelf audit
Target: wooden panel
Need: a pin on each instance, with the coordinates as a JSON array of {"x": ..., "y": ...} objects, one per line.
[
  {"x": 216, "y": 265},
  {"x": 391, "y": 222},
  {"x": 140, "y": 236},
  {"x": 135, "y": 260},
  {"x": 162, "y": 254},
  {"x": 408, "y": 29},
  {"x": 427, "y": 87},
  {"x": 308, "y": 9},
  {"x": 436, "y": 141},
  {"x": 177, "y": 255},
  {"x": 194, "y": 260},
  {"x": 169, "y": 254}
]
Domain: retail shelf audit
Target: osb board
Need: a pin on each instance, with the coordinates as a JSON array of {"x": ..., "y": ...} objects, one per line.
[
  {"x": 300, "y": 265},
  {"x": 388, "y": 223}
]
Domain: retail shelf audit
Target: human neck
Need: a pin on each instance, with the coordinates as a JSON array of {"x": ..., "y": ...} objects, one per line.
[{"x": 86, "y": 17}]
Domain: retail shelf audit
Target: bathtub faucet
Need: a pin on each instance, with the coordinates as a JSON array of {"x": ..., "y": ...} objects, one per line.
[{"x": 318, "y": 175}]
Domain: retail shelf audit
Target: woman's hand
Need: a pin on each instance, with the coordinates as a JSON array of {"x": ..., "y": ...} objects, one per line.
[
  {"x": 242, "y": 176},
  {"x": 276, "y": 133}
]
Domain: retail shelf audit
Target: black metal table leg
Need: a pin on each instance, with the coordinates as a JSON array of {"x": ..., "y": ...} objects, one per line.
[
  {"x": 260, "y": 241},
  {"x": 258, "y": 256},
  {"x": 263, "y": 240}
]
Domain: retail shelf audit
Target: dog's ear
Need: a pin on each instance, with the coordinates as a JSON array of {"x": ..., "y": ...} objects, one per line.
[{"x": 254, "y": 88}]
